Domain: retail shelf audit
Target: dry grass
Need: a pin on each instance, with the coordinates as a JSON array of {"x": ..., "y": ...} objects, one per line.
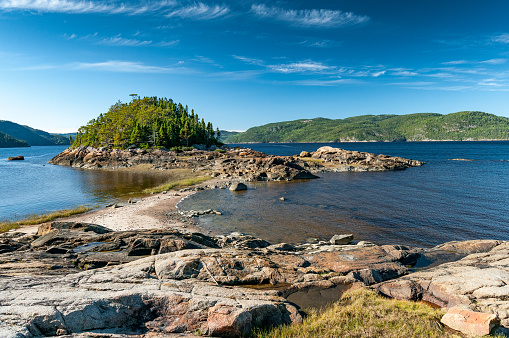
[
  {"x": 43, "y": 218},
  {"x": 363, "y": 313},
  {"x": 178, "y": 184}
]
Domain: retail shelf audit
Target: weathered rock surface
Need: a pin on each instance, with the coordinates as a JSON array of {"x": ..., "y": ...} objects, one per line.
[
  {"x": 470, "y": 322},
  {"x": 16, "y": 158},
  {"x": 244, "y": 164},
  {"x": 163, "y": 281},
  {"x": 478, "y": 282}
]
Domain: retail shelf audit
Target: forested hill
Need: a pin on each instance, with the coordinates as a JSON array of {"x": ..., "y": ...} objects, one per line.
[
  {"x": 34, "y": 137},
  {"x": 148, "y": 122},
  {"x": 467, "y": 125},
  {"x": 7, "y": 141}
]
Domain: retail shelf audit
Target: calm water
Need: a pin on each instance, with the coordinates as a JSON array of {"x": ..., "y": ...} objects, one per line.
[
  {"x": 441, "y": 201},
  {"x": 33, "y": 186}
]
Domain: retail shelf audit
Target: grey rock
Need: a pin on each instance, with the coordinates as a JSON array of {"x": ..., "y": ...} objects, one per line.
[
  {"x": 341, "y": 239},
  {"x": 238, "y": 186}
]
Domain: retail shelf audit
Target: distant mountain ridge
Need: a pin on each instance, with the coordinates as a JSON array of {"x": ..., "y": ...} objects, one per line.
[
  {"x": 7, "y": 141},
  {"x": 33, "y": 137},
  {"x": 461, "y": 126}
]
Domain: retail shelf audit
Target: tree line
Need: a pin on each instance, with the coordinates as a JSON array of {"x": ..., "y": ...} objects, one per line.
[{"x": 148, "y": 122}]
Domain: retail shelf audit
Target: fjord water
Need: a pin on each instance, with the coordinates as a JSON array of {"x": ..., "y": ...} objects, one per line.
[
  {"x": 33, "y": 186},
  {"x": 444, "y": 200}
]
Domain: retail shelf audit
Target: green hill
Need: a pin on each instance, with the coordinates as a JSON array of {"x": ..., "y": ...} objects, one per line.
[
  {"x": 461, "y": 126},
  {"x": 34, "y": 137},
  {"x": 148, "y": 122},
  {"x": 225, "y": 134},
  {"x": 7, "y": 141}
]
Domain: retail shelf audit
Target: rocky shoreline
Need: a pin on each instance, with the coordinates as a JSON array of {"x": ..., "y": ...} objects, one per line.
[
  {"x": 243, "y": 164},
  {"x": 143, "y": 270},
  {"x": 73, "y": 277}
]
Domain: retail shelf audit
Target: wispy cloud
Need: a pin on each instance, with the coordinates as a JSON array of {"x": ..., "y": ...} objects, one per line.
[
  {"x": 251, "y": 61},
  {"x": 167, "y": 43},
  {"x": 503, "y": 38},
  {"x": 494, "y": 61},
  {"x": 116, "y": 66},
  {"x": 200, "y": 11},
  {"x": 120, "y": 41},
  {"x": 318, "y": 43},
  {"x": 70, "y": 6},
  {"x": 309, "y": 17},
  {"x": 455, "y": 62},
  {"x": 301, "y": 67}
]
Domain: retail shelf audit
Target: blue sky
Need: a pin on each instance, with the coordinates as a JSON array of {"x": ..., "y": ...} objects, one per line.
[{"x": 244, "y": 63}]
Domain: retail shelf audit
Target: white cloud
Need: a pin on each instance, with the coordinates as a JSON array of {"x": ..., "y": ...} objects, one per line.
[
  {"x": 71, "y": 6},
  {"x": 455, "y": 62},
  {"x": 119, "y": 41},
  {"x": 377, "y": 74},
  {"x": 301, "y": 67},
  {"x": 200, "y": 11},
  {"x": 168, "y": 43},
  {"x": 121, "y": 67},
  {"x": 309, "y": 17},
  {"x": 503, "y": 38},
  {"x": 494, "y": 61},
  {"x": 249, "y": 60}
]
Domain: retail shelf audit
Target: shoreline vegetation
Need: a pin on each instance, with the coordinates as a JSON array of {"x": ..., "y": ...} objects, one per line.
[{"x": 36, "y": 219}]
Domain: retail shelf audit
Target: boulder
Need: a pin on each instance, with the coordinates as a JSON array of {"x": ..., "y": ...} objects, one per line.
[
  {"x": 341, "y": 239},
  {"x": 471, "y": 323},
  {"x": 16, "y": 158},
  {"x": 238, "y": 186}
]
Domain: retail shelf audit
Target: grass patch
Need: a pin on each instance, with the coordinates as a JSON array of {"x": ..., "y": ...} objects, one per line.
[
  {"x": 178, "y": 184},
  {"x": 363, "y": 313},
  {"x": 310, "y": 159},
  {"x": 43, "y": 218}
]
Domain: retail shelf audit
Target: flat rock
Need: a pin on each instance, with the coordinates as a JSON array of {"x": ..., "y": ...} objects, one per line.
[
  {"x": 471, "y": 323},
  {"x": 477, "y": 282}
]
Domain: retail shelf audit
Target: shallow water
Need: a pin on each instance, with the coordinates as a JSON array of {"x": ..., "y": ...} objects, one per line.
[
  {"x": 33, "y": 186},
  {"x": 441, "y": 201}
]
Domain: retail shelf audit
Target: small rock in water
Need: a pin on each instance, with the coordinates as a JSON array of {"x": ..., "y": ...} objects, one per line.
[
  {"x": 238, "y": 186},
  {"x": 282, "y": 199},
  {"x": 341, "y": 239},
  {"x": 16, "y": 158}
]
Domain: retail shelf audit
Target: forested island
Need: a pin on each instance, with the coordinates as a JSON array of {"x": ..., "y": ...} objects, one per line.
[
  {"x": 461, "y": 126},
  {"x": 148, "y": 122}
]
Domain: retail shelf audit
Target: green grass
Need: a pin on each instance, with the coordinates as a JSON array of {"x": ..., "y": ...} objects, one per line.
[
  {"x": 43, "y": 218},
  {"x": 178, "y": 184},
  {"x": 363, "y": 313}
]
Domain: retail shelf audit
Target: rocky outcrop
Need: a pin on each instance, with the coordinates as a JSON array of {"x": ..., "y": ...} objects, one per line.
[
  {"x": 244, "y": 164},
  {"x": 164, "y": 281},
  {"x": 16, "y": 158},
  {"x": 343, "y": 160},
  {"x": 477, "y": 282}
]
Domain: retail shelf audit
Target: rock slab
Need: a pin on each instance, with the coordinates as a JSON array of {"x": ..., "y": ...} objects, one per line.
[{"x": 471, "y": 323}]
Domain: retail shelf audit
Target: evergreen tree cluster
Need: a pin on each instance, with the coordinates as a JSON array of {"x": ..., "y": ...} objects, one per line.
[{"x": 148, "y": 122}]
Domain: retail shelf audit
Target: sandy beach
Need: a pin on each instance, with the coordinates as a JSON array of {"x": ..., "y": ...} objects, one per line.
[{"x": 157, "y": 211}]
